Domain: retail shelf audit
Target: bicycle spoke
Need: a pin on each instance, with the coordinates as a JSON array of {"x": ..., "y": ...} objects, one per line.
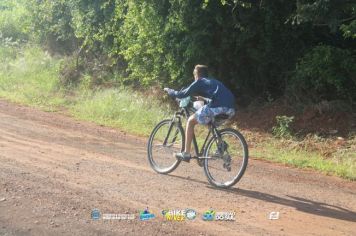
[
  {"x": 225, "y": 170},
  {"x": 161, "y": 155}
]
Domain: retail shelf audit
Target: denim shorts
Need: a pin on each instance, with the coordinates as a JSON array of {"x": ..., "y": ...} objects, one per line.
[{"x": 205, "y": 114}]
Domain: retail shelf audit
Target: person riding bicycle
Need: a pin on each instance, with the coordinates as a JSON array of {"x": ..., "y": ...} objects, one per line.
[{"x": 222, "y": 101}]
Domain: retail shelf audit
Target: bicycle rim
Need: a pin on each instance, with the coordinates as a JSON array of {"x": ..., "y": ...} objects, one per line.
[
  {"x": 160, "y": 154},
  {"x": 226, "y": 166}
]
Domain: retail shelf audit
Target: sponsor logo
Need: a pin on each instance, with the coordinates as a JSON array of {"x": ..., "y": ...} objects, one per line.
[
  {"x": 95, "y": 214},
  {"x": 225, "y": 216},
  {"x": 190, "y": 214},
  {"x": 118, "y": 216},
  {"x": 274, "y": 215},
  {"x": 179, "y": 214},
  {"x": 211, "y": 215},
  {"x": 146, "y": 215},
  {"x": 174, "y": 215}
]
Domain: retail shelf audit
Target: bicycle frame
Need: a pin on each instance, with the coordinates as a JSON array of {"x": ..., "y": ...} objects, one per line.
[
  {"x": 212, "y": 130},
  {"x": 207, "y": 154}
]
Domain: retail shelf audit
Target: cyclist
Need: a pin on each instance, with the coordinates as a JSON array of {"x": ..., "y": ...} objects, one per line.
[{"x": 221, "y": 101}]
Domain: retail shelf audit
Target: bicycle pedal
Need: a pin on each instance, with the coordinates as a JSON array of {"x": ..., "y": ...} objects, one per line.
[
  {"x": 200, "y": 162},
  {"x": 202, "y": 158},
  {"x": 185, "y": 159}
]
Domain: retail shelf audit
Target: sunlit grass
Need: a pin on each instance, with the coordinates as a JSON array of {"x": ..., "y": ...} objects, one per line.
[
  {"x": 340, "y": 165},
  {"x": 121, "y": 108},
  {"x": 32, "y": 78}
]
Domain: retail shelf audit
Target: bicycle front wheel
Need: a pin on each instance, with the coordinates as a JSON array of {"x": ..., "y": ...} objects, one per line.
[
  {"x": 226, "y": 162},
  {"x": 166, "y": 139}
]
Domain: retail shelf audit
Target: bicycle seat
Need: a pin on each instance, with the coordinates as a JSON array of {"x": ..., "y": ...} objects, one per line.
[{"x": 220, "y": 119}]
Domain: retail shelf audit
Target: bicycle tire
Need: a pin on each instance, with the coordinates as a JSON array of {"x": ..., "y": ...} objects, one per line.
[
  {"x": 151, "y": 160},
  {"x": 243, "y": 167}
]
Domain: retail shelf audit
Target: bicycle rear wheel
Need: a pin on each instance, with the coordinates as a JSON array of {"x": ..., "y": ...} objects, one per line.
[
  {"x": 226, "y": 162},
  {"x": 166, "y": 139}
]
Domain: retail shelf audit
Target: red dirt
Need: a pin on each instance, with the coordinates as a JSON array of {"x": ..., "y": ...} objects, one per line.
[{"x": 313, "y": 119}]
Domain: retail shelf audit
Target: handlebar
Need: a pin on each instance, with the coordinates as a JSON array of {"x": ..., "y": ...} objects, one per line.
[{"x": 184, "y": 102}]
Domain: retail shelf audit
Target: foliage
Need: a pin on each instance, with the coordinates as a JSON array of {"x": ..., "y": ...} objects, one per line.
[
  {"x": 332, "y": 13},
  {"x": 14, "y": 21},
  {"x": 257, "y": 48},
  {"x": 282, "y": 129},
  {"x": 52, "y": 24},
  {"x": 349, "y": 31},
  {"x": 325, "y": 73},
  {"x": 30, "y": 76},
  {"x": 68, "y": 73}
]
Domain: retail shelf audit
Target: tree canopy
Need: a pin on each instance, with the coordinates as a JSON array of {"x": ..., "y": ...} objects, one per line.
[{"x": 259, "y": 48}]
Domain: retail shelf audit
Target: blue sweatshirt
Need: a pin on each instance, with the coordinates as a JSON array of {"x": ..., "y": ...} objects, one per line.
[{"x": 208, "y": 88}]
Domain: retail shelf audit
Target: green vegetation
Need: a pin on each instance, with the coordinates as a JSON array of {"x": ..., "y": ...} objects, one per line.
[
  {"x": 282, "y": 129},
  {"x": 15, "y": 22},
  {"x": 340, "y": 164},
  {"x": 265, "y": 48},
  {"x": 325, "y": 73},
  {"x": 123, "y": 108},
  {"x": 31, "y": 77}
]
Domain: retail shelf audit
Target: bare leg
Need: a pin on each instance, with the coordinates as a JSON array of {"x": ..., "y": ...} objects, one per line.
[{"x": 189, "y": 132}]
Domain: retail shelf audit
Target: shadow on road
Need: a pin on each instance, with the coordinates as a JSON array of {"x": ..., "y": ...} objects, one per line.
[{"x": 299, "y": 203}]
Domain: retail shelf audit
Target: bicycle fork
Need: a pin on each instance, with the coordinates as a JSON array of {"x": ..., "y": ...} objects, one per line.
[
  {"x": 222, "y": 147},
  {"x": 172, "y": 124}
]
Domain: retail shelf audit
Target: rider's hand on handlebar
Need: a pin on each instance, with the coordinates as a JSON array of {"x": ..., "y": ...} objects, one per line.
[
  {"x": 199, "y": 98},
  {"x": 203, "y": 99},
  {"x": 169, "y": 91}
]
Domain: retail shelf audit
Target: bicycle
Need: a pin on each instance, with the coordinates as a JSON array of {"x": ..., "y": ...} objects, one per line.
[{"x": 222, "y": 150}]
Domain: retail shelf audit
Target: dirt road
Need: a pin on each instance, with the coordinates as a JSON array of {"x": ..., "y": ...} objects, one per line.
[{"x": 55, "y": 170}]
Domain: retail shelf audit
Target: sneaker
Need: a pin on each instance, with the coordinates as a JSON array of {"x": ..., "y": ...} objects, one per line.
[{"x": 183, "y": 156}]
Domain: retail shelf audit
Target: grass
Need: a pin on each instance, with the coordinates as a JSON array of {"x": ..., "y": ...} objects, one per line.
[
  {"x": 30, "y": 76},
  {"x": 341, "y": 165},
  {"x": 122, "y": 108}
]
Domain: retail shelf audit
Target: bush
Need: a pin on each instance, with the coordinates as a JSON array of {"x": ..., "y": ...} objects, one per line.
[
  {"x": 282, "y": 129},
  {"x": 249, "y": 45},
  {"x": 30, "y": 77},
  {"x": 14, "y": 21},
  {"x": 325, "y": 73},
  {"x": 69, "y": 74}
]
